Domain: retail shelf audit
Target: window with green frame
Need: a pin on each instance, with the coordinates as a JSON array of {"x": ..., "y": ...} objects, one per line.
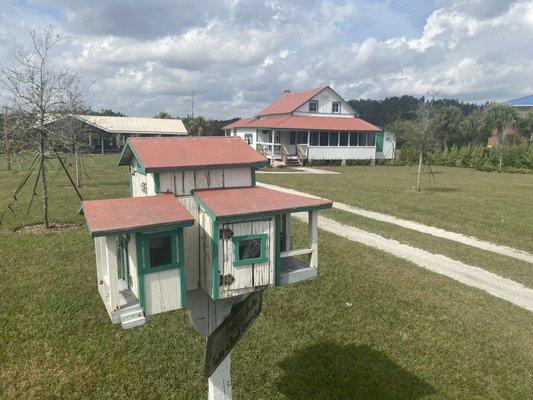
[
  {"x": 159, "y": 251},
  {"x": 249, "y": 249}
]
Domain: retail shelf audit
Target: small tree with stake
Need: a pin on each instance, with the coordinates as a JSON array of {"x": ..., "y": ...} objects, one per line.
[
  {"x": 41, "y": 91},
  {"x": 501, "y": 118},
  {"x": 420, "y": 134}
]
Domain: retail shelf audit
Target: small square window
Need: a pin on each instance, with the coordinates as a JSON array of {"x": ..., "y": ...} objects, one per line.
[
  {"x": 250, "y": 249},
  {"x": 336, "y": 107},
  {"x": 313, "y": 106},
  {"x": 160, "y": 251}
]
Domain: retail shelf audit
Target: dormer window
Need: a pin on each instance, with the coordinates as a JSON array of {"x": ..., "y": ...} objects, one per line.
[
  {"x": 336, "y": 107},
  {"x": 313, "y": 106}
]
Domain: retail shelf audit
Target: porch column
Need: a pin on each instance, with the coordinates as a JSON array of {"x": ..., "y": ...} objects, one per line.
[
  {"x": 313, "y": 238},
  {"x": 287, "y": 231},
  {"x": 111, "y": 243},
  {"x": 272, "y": 146}
]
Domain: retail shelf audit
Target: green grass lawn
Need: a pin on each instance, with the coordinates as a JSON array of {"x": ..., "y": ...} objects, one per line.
[
  {"x": 490, "y": 206},
  {"x": 372, "y": 326}
]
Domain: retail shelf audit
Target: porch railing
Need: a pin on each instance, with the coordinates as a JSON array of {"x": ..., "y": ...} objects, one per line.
[
  {"x": 301, "y": 153},
  {"x": 284, "y": 154}
]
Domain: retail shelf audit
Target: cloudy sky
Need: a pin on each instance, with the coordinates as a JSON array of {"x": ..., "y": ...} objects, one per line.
[{"x": 237, "y": 55}]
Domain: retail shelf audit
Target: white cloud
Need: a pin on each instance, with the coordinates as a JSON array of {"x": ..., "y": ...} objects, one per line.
[{"x": 236, "y": 56}]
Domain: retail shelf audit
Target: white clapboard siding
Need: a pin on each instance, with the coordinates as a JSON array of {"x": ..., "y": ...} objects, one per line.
[
  {"x": 182, "y": 183},
  {"x": 247, "y": 277},
  {"x": 100, "y": 265},
  {"x": 191, "y": 238},
  {"x": 110, "y": 246},
  {"x": 162, "y": 291},
  {"x": 205, "y": 227},
  {"x": 132, "y": 262}
]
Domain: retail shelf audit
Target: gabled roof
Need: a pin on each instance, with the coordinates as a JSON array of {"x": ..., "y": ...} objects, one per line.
[
  {"x": 129, "y": 214},
  {"x": 522, "y": 101},
  {"x": 135, "y": 125},
  {"x": 290, "y": 102},
  {"x": 253, "y": 201},
  {"x": 306, "y": 123},
  {"x": 157, "y": 154}
]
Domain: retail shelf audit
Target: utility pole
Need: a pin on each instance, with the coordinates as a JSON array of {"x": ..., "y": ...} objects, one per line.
[{"x": 7, "y": 147}]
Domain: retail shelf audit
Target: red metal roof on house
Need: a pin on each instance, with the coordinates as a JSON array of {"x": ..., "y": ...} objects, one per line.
[
  {"x": 290, "y": 102},
  {"x": 191, "y": 152},
  {"x": 249, "y": 201},
  {"x": 133, "y": 213},
  {"x": 306, "y": 123}
]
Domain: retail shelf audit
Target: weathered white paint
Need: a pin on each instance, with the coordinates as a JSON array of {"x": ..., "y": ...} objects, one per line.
[
  {"x": 132, "y": 259},
  {"x": 162, "y": 291},
  {"x": 313, "y": 238},
  {"x": 182, "y": 183},
  {"x": 206, "y": 229},
  {"x": 191, "y": 238},
  {"x": 325, "y": 99},
  {"x": 341, "y": 152},
  {"x": 110, "y": 250},
  {"x": 247, "y": 277}
]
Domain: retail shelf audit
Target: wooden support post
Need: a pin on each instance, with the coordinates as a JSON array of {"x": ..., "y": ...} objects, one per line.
[
  {"x": 287, "y": 232},
  {"x": 111, "y": 243},
  {"x": 313, "y": 238}
]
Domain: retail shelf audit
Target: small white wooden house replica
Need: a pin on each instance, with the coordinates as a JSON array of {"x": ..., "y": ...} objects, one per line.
[
  {"x": 196, "y": 220},
  {"x": 315, "y": 124}
]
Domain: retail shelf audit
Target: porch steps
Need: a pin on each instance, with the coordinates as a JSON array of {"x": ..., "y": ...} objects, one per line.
[
  {"x": 132, "y": 316},
  {"x": 293, "y": 161}
]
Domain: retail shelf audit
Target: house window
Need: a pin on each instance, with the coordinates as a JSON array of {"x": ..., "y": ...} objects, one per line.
[
  {"x": 362, "y": 138},
  {"x": 301, "y": 138},
  {"x": 353, "y": 138},
  {"x": 324, "y": 138},
  {"x": 159, "y": 251},
  {"x": 292, "y": 137},
  {"x": 314, "y": 139},
  {"x": 249, "y": 249},
  {"x": 336, "y": 107},
  {"x": 249, "y": 137},
  {"x": 334, "y": 138},
  {"x": 313, "y": 106},
  {"x": 344, "y": 136},
  {"x": 371, "y": 139}
]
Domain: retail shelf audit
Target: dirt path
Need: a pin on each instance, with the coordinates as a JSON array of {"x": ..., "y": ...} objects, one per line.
[
  {"x": 303, "y": 170},
  {"x": 502, "y": 288},
  {"x": 431, "y": 230}
]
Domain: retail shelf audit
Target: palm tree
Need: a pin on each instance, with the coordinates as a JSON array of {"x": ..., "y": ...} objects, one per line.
[{"x": 501, "y": 118}]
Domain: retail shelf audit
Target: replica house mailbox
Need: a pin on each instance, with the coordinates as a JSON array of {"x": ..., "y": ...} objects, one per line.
[{"x": 198, "y": 234}]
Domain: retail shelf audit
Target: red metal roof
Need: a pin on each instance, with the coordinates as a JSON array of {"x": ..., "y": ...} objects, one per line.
[
  {"x": 306, "y": 123},
  {"x": 290, "y": 101},
  {"x": 249, "y": 201},
  {"x": 133, "y": 213},
  {"x": 189, "y": 153}
]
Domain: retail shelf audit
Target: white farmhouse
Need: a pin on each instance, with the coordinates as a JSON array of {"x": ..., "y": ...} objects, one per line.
[{"x": 315, "y": 124}]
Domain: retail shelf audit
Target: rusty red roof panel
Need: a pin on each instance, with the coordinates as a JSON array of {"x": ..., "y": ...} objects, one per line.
[
  {"x": 290, "y": 101},
  {"x": 249, "y": 201},
  {"x": 192, "y": 152},
  {"x": 133, "y": 213},
  {"x": 306, "y": 123}
]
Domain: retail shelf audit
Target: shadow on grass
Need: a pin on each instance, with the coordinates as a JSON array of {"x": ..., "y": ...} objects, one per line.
[
  {"x": 331, "y": 371},
  {"x": 442, "y": 190}
]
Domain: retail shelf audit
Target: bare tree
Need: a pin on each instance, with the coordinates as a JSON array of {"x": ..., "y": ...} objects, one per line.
[
  {"x": 420, "y": 134},
  {"x": 40, "y": 91}
]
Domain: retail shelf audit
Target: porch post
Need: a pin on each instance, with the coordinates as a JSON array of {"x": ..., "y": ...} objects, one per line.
[
  {"x": 272, "y": 146},
  {"x": 313, "y": 238}
]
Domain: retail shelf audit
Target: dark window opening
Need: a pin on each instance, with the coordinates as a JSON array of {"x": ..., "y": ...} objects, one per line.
[
  {"x": 160, "y": 251},
  {"x": 334, "y": 138},
  {"x": 371, "y": 139},
  {"x": 249, "y": 249},
  {"x": 353, "y": 138},
  {"x": 344, "y": 139},
  {"x": 362, "y": 138},
  {"x": 314, "y": 139},
  {"x": 301, "y": 138},
  {"x": 324, "y": 136},
  {"x": 313, "y": 106}
]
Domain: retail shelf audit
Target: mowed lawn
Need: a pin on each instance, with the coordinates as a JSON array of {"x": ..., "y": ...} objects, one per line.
[{"x": 372, "y": 325}]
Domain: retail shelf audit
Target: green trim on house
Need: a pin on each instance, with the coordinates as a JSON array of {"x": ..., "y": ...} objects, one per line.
[
  {"x": 379, "y": 142},
  {"x": 146, "y": 230},
  {"x": 204, "y": 208},
  {"x": 79, "y": 211},
  {"x": 181, "y": 262},
  {"x": 277, "y": 251},
  {"x": 157, "y": 189},
  {"x": 238, "y": 218},
  {"x": 145, "y": 238},
  {"x": 253, "y": 176},
  {"x": 140, "y": 269},
  {"x": 215, "y": 269},
  {"x": 263, "y": 257}
]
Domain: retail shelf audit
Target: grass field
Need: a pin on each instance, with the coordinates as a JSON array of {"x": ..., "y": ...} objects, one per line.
[{"x": 372, "y": 325}]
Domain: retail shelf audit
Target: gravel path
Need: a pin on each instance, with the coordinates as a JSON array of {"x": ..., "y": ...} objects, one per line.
[{"x": 431, "y": 230}]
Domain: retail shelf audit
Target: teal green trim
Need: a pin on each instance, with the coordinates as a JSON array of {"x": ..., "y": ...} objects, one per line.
[
  {"x": 146, "y": 230},
  {"x": 140, "y": 269},
  {"x": 263, "y": 237},
  {"x": 379, "y": 142},
  {"x": 123, "y": 257},
  {"x": 122, "y": 158},
  {"x": 182, "y": 271},
  {"x": 79, "y": 211},
  {"x": 277, "y": 265},
  {"x": 145, "y": 241},
  {"x": 253, "y": 176},
  {"x": 206, "y": 167},
  {"x": 156, "y": 183},
  {"x": 204, "y": 208},
  {"x": 237, "y": 218},
  {"x": 215, "y": 270}
]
